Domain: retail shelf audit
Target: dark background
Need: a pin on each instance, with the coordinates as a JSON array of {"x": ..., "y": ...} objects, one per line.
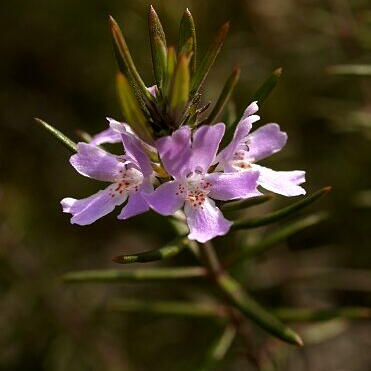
[{"x": 57, "y": 63}]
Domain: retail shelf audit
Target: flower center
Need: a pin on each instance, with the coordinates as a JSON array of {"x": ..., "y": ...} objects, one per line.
[
  {"x": 241, "y": 161},
  {"x": 129, "y": 181},
  {"x": 196, "y": 190}
]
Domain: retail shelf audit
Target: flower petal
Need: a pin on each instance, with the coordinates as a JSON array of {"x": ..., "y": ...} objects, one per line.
[
  {"x": 266, "y": 141},
  {"x": 285, "y": 183},
  {"x": 242, "y": 130},
  {"x": 205, "y": 222},
  {"x": 230, "y": 186},
  {"x": 205, "y": 145},
  {"x": 133, "y": 146},
  {"x": 250, "y": 110},
  {"x": 137, "y": 204},
  {"x": 166, "y": 199},
  {"x": 96, "y": 163},
  {"x": 106, "y": 136},
  {"x": 175, "y": 151},
  {"x": 88, "y": 210},
  {"x": 153, "y": 90}
]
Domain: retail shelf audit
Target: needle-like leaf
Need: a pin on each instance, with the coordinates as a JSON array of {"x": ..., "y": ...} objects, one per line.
[
  {"x": 131, "y": 109},
  {"x": 316, "y": 315},
  {"x": 203, "y": 68},
  {"x": 126, "y": 58},
  {"x": 158, "y": 46},
  {"x": 67, "y": 142},
  {"x": 219, "y": 348},
  {"x": 224, "y": 96},
  {"x": 350, "y": 69},
  {"x": 179, "y": 89},
  {"x": 137, "y": 275},
  {"x": 187, "y": 31},
  {"x": 243, "y": 204},
  {"x": 164, "y": 252},
  {"x": 274, "y": 238},
  {"x": 173, "y": 308},
  {"x": 279, "y": 214},
  {"x": 267, "y": 87},
  {"x": 253, "y": 310}
]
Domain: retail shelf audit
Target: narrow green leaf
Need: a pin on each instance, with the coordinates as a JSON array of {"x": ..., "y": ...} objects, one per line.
[
  {"x": 170, "y": 68},
  {"x": 350, "y": 69},
  {"x": 284, "y": 232},
  {"x": 279, "y": 214},
  {"x": 131, "y": 109},
  {"x": 243, "y": 204},
  {"x": 187, "y": 31},
  {"x": 229, "y": 115},
  {"x": 253, "y": 310},
  {"x": 316, "y": 315},
  {"x": 137, "y": 275},
  {"x": 125, "y": 55},
  {"x": 173, "y": 308},
  {"x": 219, "y": 348},
  {"x": 179, "y": 89},
  {"x": 204, "y": 67},
  {"x": 224, "y": 96},
  {"x": 164, "y": 252},
  {"x": 264, "y": 90},
  {"x": 158, "y": 46},
  {"x": 67, "y": 142}
]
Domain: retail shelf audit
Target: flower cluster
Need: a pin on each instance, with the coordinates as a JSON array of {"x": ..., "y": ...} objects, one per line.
[{"x": 194, "y": 173}]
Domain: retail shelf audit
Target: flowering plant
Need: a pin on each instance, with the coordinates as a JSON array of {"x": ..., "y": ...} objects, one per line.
[{"x": 186, "y": 164}]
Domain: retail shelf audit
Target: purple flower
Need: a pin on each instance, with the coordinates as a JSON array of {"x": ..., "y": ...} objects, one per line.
[
  {"x": 247, "y": 148},
  {"x": 130, "y": 176},
  {"x": 187, "y": 158}
]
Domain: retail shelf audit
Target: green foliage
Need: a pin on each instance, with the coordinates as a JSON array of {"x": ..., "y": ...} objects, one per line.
[{"x": 67, "y": 142}]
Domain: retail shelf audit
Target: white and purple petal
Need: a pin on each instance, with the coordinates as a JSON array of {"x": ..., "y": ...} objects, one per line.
[
  {"x": 167, "y": 198},
  {"x": 205, "y": 222},
  {"x": 250, "y": 110},
  {"x": 175, "y": 152},
  {"x": 205, "y": 144},
  {"x": 136, "y": 204},
  {"x": 106, "y": 136},
  {"x": 87, "y": 210},
  {"x": 265, "y": 141},
  {"x": 286, "y": 183},
  {"x": 231, "y": 186},
  {"x": 240, "y": 135},
  {"x": 96, "y": 163}
]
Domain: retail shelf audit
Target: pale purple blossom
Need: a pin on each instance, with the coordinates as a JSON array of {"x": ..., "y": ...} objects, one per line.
[
  {"x": 130, "y": 176},
  {"x": 247, "y": 148},
  {"x": 187, "y": 158}
]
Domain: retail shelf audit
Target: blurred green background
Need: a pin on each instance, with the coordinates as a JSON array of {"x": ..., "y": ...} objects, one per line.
[{"x": 57, "y": 63}]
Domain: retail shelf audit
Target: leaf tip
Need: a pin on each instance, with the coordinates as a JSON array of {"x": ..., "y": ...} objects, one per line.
[
  {"x": 278, "y": 71},
  {"x": 117, "y": 259},
  {"x": 327, "y": 189},
  {"x": 298, "y": 340},
  {"x": 111, "y": 20}
]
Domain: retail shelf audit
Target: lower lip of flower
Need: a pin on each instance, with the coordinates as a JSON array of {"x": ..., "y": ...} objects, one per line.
[
  {"x": 129, "y": 181},
  {"x": 197, "y": 190}
]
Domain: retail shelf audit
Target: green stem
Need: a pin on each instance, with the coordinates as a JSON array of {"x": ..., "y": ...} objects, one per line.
[{"x": 115, "y": 275}]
